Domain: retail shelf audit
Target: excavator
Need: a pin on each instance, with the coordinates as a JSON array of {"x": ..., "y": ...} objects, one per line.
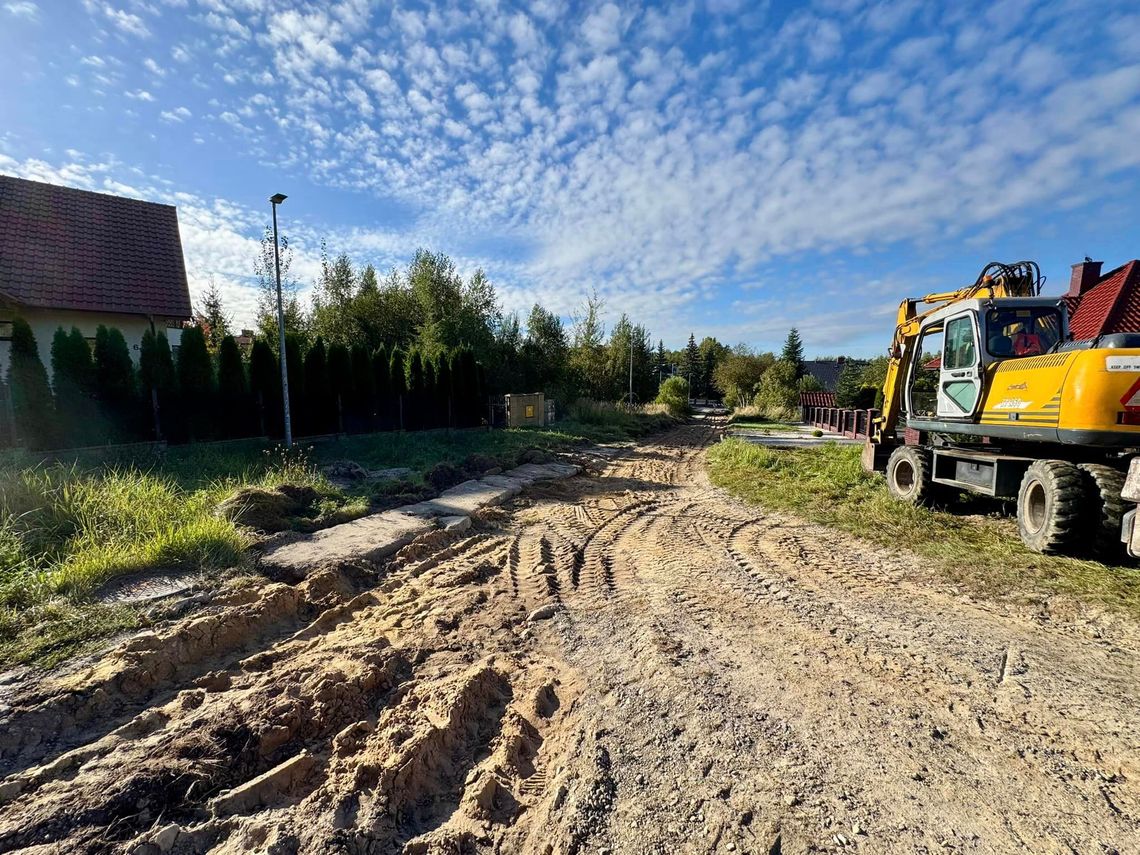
[{"x": 986, "y": 391}]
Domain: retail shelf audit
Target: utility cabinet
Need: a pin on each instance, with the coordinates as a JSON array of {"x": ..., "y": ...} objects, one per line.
[{"x": 525, "y": 410}]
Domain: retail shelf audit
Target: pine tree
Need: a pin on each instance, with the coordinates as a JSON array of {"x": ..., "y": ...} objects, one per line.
[
  {"x": 793, "y": 352},
  {"x": 662, "y": 365},
  {"x": 72, "y": 381},
  {"x": 265, "y": 386},
  {"x": 32, "y": 404},
  {"x": 363, "y": 389},
  {"x": 195, "y": 383},
  {"x": 115, "y": 386},
  {"x": 318, "y": 402},
  {"x": 692, "y": 365},
  {"x": 340, "y": 383},
  {"x": 212, "y": 318},
  {"x": 398, "y": 378},
  {"x": 156, "y": 376},
  {"x": 234, "y": 411}
]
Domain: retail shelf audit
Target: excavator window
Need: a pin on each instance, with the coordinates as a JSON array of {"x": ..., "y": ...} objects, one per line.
[
  {"x": 1013, "y": 332},
  {"x": 924, "y": 374}
]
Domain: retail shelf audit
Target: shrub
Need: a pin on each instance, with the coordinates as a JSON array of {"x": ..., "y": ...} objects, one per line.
[
  {"x": 233, "y": 412},
  {"x": 156, "y": 375},
  {"x": 444, "y": 475},
  {"x": 317, "y": 414},
  {"x": 73, "y": 381},
  {"x": 195, "y": 382},
  {"x": 265, "y": 385},
  {"x": 674, "y": 394},
  {"x": 28, "y": 386}
]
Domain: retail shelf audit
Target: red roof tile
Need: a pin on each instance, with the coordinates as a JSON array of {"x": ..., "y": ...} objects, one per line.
[
  {"x": 1110, "y": 306},
  {"x": 62, "y": 248}
]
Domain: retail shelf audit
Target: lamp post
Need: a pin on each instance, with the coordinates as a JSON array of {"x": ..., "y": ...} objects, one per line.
[{"x": 275, "y": 200}]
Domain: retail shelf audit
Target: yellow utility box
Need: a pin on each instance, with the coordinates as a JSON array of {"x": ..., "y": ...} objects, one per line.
[{"x": 526, "y": 410}]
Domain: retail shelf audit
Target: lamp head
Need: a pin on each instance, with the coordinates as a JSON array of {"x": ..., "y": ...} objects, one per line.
[{"x": 278, "y": 198}]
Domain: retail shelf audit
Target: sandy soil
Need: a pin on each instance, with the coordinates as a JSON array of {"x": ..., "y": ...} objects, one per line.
[{"x": 625, "y": 661}]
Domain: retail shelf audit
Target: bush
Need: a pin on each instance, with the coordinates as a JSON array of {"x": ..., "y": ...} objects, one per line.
[
  {"x": 28, "y": 384},
  {"x": 674, "y": 394},
  {"x": 777, "y": 394},
  {"x": 444, "y": 475}
]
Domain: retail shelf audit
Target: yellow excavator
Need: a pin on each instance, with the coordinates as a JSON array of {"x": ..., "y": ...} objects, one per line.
[{"x": 987, "y": 392}]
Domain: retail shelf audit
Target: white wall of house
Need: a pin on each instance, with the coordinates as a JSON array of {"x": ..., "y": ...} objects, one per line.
[{"x": 44, "y": 323}]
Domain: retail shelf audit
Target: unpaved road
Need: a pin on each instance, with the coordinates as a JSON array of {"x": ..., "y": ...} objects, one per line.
[{"x": 715, "y": 679}]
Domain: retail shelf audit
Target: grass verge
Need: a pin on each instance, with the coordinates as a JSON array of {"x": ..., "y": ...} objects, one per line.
[
  {"x": 971, "y": 541},
  {"x": 68, "y": 528}
]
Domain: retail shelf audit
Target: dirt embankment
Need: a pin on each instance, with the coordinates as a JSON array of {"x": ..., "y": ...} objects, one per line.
[{"x": 693, "y": 676}]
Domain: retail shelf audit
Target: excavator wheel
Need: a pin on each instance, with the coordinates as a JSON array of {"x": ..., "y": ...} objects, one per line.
[
  {"x": 1051, "y": 506},
  {"x": 1106, "y": 509},
  {"x": 908, "y": 475}
]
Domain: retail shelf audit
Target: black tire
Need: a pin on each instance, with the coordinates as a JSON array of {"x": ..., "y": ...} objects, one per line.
[
  {"x": 1105, "y": 508},
  {"x": 1051, "y": 506},
  {"x": 908, "y": 475}
]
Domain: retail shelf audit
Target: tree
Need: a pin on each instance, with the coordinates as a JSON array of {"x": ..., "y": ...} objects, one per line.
[
  {"x": 265, "y": 385},
  {"x": 544, "y": 351},
  {"x": 737, "y": 374},
  {"x": 444, "y": 391},
  {"x": 317, "y": 413},
  {"x": 398, "y": 384},
  {"x": 674, "y": 394},
  {"x": 587, "y": 356},
  {"x": 28, "y": 386},
  {"x": 340, "y": 382},
  {"x": 73, "y": 376},
  {"x": 692, "y": 364},
  {"x": 332, "y": 315},
  {"x": 115, "y": 386},
  {"x": 156, "y": 375},
  {"x": 363, "y": 403},
  {"x": 415, "y": 405},
  {"x": 386, "y": 415},
  {"x": 195, "y": 382},
  {"x": 233, "y": 410},
  {"x": 212, "y": 318},
  {"x": 777, "y": 394},
  {"x": 265, "y": 271},
  {"x": 295, "y": 373},
  {"x": 661, "y": 362},
  {"x": 793, "y": 352}
]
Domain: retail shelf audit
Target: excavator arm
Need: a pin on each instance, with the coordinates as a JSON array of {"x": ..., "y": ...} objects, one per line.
[{"x": 1021, "y": 279}]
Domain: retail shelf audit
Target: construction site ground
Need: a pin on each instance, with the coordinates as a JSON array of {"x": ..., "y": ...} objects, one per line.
[{"x": 624, "y": 661}]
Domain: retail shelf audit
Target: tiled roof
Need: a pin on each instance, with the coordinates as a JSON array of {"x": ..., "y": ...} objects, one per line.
[
  {"x": 62, "y": 248},
  {"x": 827, "y": 371},
  {"x": 1110, "y": 306}
]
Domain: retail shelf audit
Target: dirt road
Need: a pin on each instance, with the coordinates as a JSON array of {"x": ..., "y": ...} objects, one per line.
[{"x": 710, "y": 678}]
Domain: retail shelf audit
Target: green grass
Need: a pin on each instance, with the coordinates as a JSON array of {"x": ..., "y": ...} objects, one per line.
[
  {"x": 973, "y": 542},
  {"x": 761, "y": 424},
  {"x": 66, "y": 528}
]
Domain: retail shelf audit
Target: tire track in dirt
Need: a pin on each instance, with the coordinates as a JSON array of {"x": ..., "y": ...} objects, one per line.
[{"x": 716, "y": 679}]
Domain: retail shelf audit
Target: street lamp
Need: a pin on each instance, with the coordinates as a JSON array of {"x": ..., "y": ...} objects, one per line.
[{"x": 275, "y": 200}]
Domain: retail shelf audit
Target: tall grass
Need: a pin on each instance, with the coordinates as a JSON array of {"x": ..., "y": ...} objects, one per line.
[{"x": 972, "y": 541}]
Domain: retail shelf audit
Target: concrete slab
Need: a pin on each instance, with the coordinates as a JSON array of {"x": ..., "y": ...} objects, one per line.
[
  {"x": 371, "y": 538},
  {"x": 465, "y": 499},
  {"x": 800, "y": 437},
  {"x": 528, "y": 473}
]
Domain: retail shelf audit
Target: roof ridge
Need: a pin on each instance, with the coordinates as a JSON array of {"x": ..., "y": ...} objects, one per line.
[
  {"x": 84, "y": 190},
  {"x": 1118, "y": 301}
]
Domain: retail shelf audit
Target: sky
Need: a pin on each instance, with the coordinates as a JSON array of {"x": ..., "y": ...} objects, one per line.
[{"x": 721, "y": 167}]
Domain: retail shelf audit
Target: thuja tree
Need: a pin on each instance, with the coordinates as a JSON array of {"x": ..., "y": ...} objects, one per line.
[
  {"x": 73, "y": 380},
  {"x": 363, "y": 403},
  {"x": 115, "y": 384},
  {"x": 156, "y": 376},
  {"x": 317, "y": 410},
  {"x": 195, "y": 382},
  {"x": 234, "y": 416},
  {"x": 398, "y": 379},
  {"x": 31, "y": 398},
  {"x": 339, "y": 384},
  {"x": 265, "y": 386}
]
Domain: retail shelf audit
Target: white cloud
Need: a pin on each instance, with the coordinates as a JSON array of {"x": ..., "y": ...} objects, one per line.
[
  {"x": 602, "y": 29},
  {"x": 154, "y": 68},
  {"x": 22, "y": 9},
  {"x": 126, "y": 22},
  {"x": 140, "y": 95},
  {"x": 178, "y": 114}
]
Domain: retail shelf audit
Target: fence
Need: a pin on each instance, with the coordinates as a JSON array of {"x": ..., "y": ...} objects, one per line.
[{"x": 854, "y": 424}]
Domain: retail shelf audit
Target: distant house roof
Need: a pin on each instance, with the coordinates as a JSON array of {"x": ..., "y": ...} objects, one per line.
[
  {"x": 1112, "y": 305},
  {"x": 62, "y": 248},
  {"x": 827, "y": 371}
]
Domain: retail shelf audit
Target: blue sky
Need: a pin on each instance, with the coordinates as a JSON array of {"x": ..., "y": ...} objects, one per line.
[{"x": 720, "y": 166}]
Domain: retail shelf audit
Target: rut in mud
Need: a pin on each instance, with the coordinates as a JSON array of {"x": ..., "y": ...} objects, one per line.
[{"x": 713, "y": 679}]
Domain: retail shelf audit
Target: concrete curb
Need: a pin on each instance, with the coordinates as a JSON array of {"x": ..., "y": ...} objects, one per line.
[{"x": 379, "y": 535}]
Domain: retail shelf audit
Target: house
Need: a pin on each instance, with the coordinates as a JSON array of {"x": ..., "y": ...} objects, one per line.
[
  {"x": 1102, "y": 304},
  {"x": 827, "y": 371},
  {"x": 75, "y": 258}
]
